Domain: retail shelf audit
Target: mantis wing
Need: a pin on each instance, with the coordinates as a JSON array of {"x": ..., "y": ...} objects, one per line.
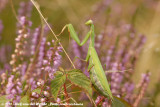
[{"x": 98, "y": 76}]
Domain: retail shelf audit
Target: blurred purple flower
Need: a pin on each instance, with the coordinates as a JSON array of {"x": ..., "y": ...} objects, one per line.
[
  {"x": 13, "y": 90},
  {"x": 34, "y": 40},
  {"x": 52, "y": 60},
  {"x": 3, "y": 4},
  {"x": 25, "y": 9}
]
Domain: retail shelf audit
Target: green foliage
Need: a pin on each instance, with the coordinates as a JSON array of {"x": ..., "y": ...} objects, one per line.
[
  {"x": 118, "y": 102},
  {"x": 37, "y": 90},
  {"x": 79, "y": 79},
  {"x": 24, "y": 100},
  {"x": 3, "y": 99},
  {"x": 58, "y": 73},
  {"x": 75, "y": 76},
  {"x": 56, "y": 84}
]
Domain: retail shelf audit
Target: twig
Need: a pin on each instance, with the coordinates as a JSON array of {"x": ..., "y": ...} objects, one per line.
[
  {"x": 70, "y": 93},
  {"x": 14, "y": 12},
  {"x": 143, "y": 86},
  {"x": 66, "y": 95},
  {"x": 37, "y": 7},
  {"x": 102, "y": 98}
]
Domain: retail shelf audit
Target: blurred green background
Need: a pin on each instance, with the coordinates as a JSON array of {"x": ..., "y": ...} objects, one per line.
[{"x": 144, "y": 15}]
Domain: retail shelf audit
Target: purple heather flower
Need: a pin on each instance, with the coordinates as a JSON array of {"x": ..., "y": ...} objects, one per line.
[
  {"x": 25, "y": 9},
  {"x": 58, "y": 100},
  {"x": 45, "y": 62},
  {"x": 36, "y": 35},
  {"x": 46, "y": 93},
  {"x": 104, "y": 104},
  {"x": 56, "y": 61},
  {"x": 108, "y": 57},
  {"x": 21, "y": 51},
  {"x": 125, "y": 28},
  {"x": 116, "y": 80},
  {"x": 41, "y": 52},
  {"x": 24, "y": 22},
  {"x": 33, "y": 84},
  {"x": 46, "y": 30},
  {"x": 98, "y": 99},
  {"x": 13, "y": 90},
  {"x": 75, "y": 49},
  {"x": 145, "y": 77},
  {"x": 10, "y": 84},
  {"x": 18, "y": 98},
  {"x": 126, "y": 58},
  {"x": 23, "y": 70},
  {"x": 52, "y": 60},
  {"x": 128, "y": 89}
]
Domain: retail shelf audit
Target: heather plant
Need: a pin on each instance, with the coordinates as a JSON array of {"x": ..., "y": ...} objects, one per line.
[{"x": 37, "y": 73}]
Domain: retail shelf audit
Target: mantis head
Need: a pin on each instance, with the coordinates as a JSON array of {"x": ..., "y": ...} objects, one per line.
[{"x": 89, "y": 22}]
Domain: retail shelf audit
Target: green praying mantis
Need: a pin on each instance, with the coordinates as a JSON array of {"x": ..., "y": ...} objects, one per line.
[{"x": 97, "y": 75}]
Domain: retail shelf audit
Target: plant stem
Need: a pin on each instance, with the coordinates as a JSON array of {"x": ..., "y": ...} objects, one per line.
[
  {"x": 66, "y": 95},
  {"x": 37, "y": 7},
  {"x": 14, "y": 12},
  {"x": 100, "y": 101}
]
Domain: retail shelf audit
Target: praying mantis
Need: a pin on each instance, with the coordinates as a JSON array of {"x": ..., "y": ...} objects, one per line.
[{"x": 97, "y": 75}]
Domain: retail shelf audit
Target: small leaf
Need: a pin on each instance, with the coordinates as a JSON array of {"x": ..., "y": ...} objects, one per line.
[
  {"x": 3, "y": 99},
  {"x": 61, "y": 69},
  {"x": 79, "y": 79},
  {"x": 56, "y": 84},
  {"x": 37, "y": 90},
  {"x": 24, "y": 100},
  {"x": 119, "y": 102},
  {"x": 58, "y": 73}
]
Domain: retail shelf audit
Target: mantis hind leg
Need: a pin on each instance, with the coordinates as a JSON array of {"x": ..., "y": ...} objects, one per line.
[
  {"x": 79, "y": 59},
  {"x": 74, "y": 60},
  {"x": 89, "y": 68}
]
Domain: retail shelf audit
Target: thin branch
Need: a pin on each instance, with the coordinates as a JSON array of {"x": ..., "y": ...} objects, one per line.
[
  {"x": 37, "y": 7},
  {"x": 14, "y": 12},
  {"x": 143, "y": 88},
  {"x": 66, "y": 94},
  {"x": 102, "y": 98},
  {"x": 70, "y": 93}
]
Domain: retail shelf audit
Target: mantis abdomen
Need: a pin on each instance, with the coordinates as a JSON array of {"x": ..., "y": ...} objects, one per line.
[{"x": 97, "y": 74}]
